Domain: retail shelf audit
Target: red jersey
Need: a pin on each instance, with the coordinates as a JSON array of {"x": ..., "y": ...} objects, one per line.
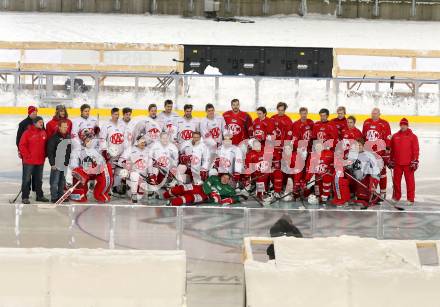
[
  {"x": 238, "y": 124},
  {"x": 377, "y": 130},
  {"x": 302, "y": 130},
  {"x": 325, "y": 131},
  {"x": 283, "y": 127},
  {"x": 262, "y": 129},
  {"x": 320, "y": 163},
  {"x": 340, "y": 125},
  {"x": 351, "y": 134},
  {"x": 255, "y": 162}
]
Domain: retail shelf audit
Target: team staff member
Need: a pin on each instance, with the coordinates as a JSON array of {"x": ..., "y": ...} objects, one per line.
[
  {"x": 57, "y": 177},
  {"x": 404, "y": 158},
  {"x": 60, "y": 115},
  {"x": 32, "y": 149},
  {"x": 25, "y": 123}
]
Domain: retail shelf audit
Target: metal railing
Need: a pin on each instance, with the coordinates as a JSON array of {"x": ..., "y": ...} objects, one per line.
[{"x": 181, "y": 87}]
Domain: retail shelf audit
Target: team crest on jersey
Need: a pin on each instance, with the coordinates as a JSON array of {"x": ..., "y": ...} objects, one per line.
[
  {"x": 140, "y": 164},
  {"x": 321, "y": 135},
  {"x": 117, "y": 138},
  {"x": 163, "y": 161},
  {"x": 186, "y": 134},
  {"x": 307, "y": 135},
  {"x": 321, "y": 168},
  {"x": 153, "y": 133},
  {"x": 372, "y": 135},
  {"x": 215, "y": 132},
  {"x": 235, "y": 129},
  {"x": 224, "y": 162},
  {"x": 262, "y": 166}
]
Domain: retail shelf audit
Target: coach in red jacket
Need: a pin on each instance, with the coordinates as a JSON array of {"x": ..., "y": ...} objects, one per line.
[
  {"x": 53, "y": 124},
  {"x": 32, "y": 148},
  {"x": 404, "y": 158}
]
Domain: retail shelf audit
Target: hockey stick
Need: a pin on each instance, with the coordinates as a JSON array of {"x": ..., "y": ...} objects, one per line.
[
  {"x": 15, "y": 199},
  {"x": 375, "y": 193},
  {"x": 293, "y": 192},
  {"x": 62, "y": 198}
]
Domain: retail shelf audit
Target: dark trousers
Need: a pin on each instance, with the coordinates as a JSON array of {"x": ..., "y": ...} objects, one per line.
[
  {"x": 57, "y": 183},
  {"x": 34, "y": 173}
]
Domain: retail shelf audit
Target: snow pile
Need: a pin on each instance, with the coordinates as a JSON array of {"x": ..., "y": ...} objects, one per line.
[{"x": 342, "y": 272}]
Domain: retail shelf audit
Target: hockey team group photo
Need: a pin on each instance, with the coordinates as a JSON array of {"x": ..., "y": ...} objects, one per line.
[{"x": 224, "y": 158}]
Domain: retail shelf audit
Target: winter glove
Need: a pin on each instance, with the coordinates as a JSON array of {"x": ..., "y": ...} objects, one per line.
[
  {"x": 215, "y": 197},
  {"x": 414, "y": 165},
  {"x": 203, "y": 174},
  {"x": 391, "y": 164}
]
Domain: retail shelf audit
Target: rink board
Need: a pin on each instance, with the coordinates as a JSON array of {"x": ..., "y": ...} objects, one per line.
[
  {"x": 141, "y": 112},
  {"x": 341, "y": 272},
  {"x": 92, "y": 277}
]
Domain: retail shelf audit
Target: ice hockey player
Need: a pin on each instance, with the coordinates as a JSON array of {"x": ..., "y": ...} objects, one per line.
[
  {"x": 324, "y": 130},
  {"x": 237, "y": 122},
  {"x": 126, "y": 116},
  {"x": 212, "y": 128},
  {"x": 229, "y": 158},
  {"x": 163, "y": 161},
  {"x": 112, "y": 144},
  {"x": 263, "y": 127},
  {"x": 377, "y": 133},
  {"x": 186, "y": 126},
  {"x": 216, "y": 189},
  {"x": 404, "y": 160},
  {"x": 194, "y": 160},
  {"x": 302, "y": 128},
  {"x": 258, "y": 169},
  {"x": 82, "y": 124},
  {"x": 283, "y": 126},
  {"x": 340, "y": 122},
  {"x": 168, "y": 120},
  {"x": 147, "y": 126},
  {"x": 133, "y": 164},
  {"x": 320, "y": 166},
  {"x": 87, "y": 163},
  {"x": 364, "y": 168}
]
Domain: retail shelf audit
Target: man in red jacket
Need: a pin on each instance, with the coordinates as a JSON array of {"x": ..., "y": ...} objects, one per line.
[
  {"x": 404, "y": 158},
  {"x": 60, "y": 115},
  {"x": 238, "y": 122},
  {"x": 32, "y": 148}
]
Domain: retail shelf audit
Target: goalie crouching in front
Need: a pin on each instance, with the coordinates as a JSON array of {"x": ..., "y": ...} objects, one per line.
[{"x": 214, "y": 190}]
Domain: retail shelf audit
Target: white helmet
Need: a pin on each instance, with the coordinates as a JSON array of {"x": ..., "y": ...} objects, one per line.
[{"x": 313, "y": 200}]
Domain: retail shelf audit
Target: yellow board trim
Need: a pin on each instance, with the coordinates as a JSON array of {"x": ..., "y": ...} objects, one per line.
[{"x": 138, "y": 112}]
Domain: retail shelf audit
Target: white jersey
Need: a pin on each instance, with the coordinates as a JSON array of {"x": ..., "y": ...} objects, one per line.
[
  {"x": 198, "y": 156},
  {"x": 79, "y": 125},
  {"x": 230, "y": 159},
  {"x": 135, "y": 159},
  {"x": 90, "y": 159},
  {"x": 162, "y": 156},
  {"x": 212, "y": 129},
  {"x": 168, "y": 123},
  {"x": 364, "y": 163},
  {"x": 185, "y": 129},
  {"x": 112, "y": 137},
  {"x": 148, "y": 126}
]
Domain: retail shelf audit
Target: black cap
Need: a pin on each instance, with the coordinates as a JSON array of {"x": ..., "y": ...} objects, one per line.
[{"x": 37, "y": 119}]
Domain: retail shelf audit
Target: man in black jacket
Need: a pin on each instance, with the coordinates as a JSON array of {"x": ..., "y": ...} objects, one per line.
[
  {"x": 22, "y": 127},
  {"x": 58, "y": 163}
]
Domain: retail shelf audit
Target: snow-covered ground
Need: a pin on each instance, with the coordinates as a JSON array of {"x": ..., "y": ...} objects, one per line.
[{"x": 312, "y": 30}]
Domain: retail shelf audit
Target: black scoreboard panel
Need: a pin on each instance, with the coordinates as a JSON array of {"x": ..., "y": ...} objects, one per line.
[{"x": 260, "y": 61}]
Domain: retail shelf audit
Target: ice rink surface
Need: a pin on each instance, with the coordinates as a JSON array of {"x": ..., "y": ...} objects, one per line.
[{"x": 211, "y": 237}]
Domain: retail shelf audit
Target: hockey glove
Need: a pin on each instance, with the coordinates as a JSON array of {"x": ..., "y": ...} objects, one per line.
[
  {"x": 391, "y": 164},
  {"x": 373, "y": 185},
  {"x": 215, "y": 197},
  {"x": 203, "y": 175},
  {"x": 227, "y": 201},
  {"x": 414, "y": 165}
]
